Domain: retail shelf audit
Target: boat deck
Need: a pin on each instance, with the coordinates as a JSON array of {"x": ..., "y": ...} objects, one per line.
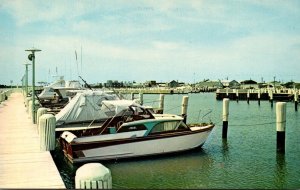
[{"x": 22, "y": 164}]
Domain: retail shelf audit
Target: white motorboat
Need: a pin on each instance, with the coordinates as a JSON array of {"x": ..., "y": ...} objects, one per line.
[{"x": 133, "y": 132}]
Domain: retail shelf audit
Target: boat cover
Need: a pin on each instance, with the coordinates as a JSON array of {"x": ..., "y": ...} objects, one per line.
[
  {"x": 114, "y": 107},
  {"x": 84, "y": 106}
]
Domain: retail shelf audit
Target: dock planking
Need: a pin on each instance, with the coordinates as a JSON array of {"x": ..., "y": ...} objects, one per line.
[{"x": 22, "y": 164}]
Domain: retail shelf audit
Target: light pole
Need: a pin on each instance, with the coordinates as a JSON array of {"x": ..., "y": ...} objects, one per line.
[
  {"x": 26, "y": 78},
  {"x": 31, "y": 57}
]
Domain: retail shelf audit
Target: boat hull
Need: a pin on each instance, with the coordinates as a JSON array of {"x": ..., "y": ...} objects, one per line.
[{"x": 136, "y": 147}]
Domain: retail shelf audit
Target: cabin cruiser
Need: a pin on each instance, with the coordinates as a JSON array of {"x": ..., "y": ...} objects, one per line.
[
  {"x": 133, "y": 131},
  {"x": 84, "y": 110},
  {"x": 59, "y": 93}
]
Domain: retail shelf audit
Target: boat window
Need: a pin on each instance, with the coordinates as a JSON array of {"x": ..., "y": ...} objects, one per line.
[
  {"x": 132, "y": 128},
  {"x": 169, "y": 126},
  {"x": 165, "y": 126}
]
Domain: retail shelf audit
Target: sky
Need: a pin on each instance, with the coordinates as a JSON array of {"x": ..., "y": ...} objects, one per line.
[{"x": 141, "y": 40}]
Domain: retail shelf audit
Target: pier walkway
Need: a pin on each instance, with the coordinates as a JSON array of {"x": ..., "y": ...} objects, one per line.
[{"x": 22, "y": 164}]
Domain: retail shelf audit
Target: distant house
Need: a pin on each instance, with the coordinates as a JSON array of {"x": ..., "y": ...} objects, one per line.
[
  {"x": 209, "y": 84},
  {"x": 173, "y": 84},
  {"x": 230, "y": 84},
  {"x": 151, "y": 83},
  {"x": 249, "y": 84}
]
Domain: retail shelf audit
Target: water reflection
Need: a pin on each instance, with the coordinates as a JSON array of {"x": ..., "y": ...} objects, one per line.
[
  {"x": 185, "y": 170},
  {"x": 280, "y": 171}
]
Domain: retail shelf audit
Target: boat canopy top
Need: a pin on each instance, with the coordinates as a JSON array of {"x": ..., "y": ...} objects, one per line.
[
  {"x": 84, "y": 106},
  {"x": 116, "y": 107}
]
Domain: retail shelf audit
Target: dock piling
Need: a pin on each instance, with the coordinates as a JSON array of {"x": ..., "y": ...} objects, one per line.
[
  {"x": 271, "y": 97},
  {"x": 161, "y": 102},
  {"x": 184, "y": 106},
  {"x": 141, "y": 97},
  {"x": 132, "y": 96},
  {"x": 248, "y": 96},
  {"x": 47, "y": 123},
  {"x": 93, "y": 176},
  {"x": 40, "y": 112},
  {"x": 280, "y": 125},
  {"x": 225, "y": 117},
  {"x": 296, "y": 100},
  {"x": 258, "y": 97}
]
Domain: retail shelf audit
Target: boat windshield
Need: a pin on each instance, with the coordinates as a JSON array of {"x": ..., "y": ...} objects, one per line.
[{"x": 169, "y": 126}]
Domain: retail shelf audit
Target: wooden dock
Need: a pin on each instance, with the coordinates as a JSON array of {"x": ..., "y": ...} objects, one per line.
[
  {"x": 22, "y": 164},
  {"x": 242, "y": 94}
]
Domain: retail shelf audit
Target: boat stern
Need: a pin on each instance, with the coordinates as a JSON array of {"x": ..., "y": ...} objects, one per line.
[{"x": 65, "y": 140}]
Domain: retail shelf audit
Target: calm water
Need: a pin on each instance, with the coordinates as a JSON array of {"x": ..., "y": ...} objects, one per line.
[{"x": 247, "y": 159}]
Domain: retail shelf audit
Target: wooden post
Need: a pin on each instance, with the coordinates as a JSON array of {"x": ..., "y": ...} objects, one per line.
[
  {"x": 227, "y": 94},
  {"x": 280, "y": 125},
  {"x": 47, "y": 124},
  {"x": 258, "y": 97},
  {"x": 40, "y": 112},
  {"x": 132, "y": 96},
  {"x": 271, "y": 97},
  {"x": 161, "y": 102},
  {"x": 184, "y": 107},
  {"x": 248, "y": 96},
  {"x": 141, "y": 98},
  {"x": 296, "y": 100},
  {"x": 237, "y": 95},
  {"x": 93, "y": 176},
  {"x": 225, "y": 117}
]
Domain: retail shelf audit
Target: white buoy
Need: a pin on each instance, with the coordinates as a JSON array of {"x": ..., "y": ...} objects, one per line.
[
  {"x": 40, "y": 112},
  {"x": 280, "y": 125},
  {"x": 47, "y": 123},
  {"x": 184, "y": 107},
  {"x": 161, "y": 102},
  {"x": 93, "y": 176},
  {"x": 225, "y": 117}
]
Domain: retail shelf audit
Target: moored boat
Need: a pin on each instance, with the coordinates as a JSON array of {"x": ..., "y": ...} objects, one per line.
[{"x": 133, "y": 132}]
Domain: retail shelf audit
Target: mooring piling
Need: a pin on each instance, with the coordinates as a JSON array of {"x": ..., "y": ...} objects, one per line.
[
  {"x": 225, "y": 117},
  {"x": 280, "y": 125},
  {"x": 161, "y": 102},
  {"x": 40, "y": 112},
  {"x": 258, "y": 97},
  {"x": 248, "y": 96},
  {"x": 141, "y": 98},
  {"x": 184, "y": 107},
  {"x": 271, "y": 97},
  {"x": 296, "y": 100},
  {"x": 237, "y": 95},
  {"x": 47, "y": 123},
  {"x": 93, "y": 176},
  {"x": 132, "y": 96}
]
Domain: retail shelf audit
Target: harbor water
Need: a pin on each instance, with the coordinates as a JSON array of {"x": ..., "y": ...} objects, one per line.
[{"x": 247, "y": 159}]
